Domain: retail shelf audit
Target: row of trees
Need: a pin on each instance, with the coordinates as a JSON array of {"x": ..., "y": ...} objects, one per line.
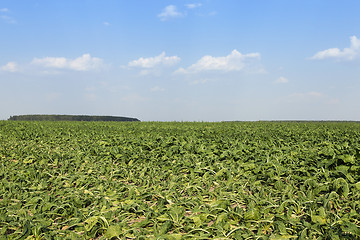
[{"x": 41, "y": 117}]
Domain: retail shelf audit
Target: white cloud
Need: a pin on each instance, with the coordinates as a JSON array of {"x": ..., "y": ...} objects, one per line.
[
  {"x": 8, "y": 19},
  {"x": 106, "y": 23},
  {"x": 10, "y": 67},
  {"x": 169, "y": 12},
  {"x": 152, "y": 62},
  {"x": 157, "y": 89},
  {"x": 282, "y": 80},
  {"x": 346, "y": 54},
  {"x": 235, "y": 61},
  {"x": 5, "y": 17},
  {"x": 51, "y": 62},
  {"x": 193, "y": 5},
  {"x": 83, "y": 63}
]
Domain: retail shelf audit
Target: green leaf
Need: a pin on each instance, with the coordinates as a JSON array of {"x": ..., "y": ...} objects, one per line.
[
  {"x": 349, "y": 159},
  {"x": 197, "y": 221},
  {"x": 92, "y": 221},
  {"x": 282, "y": 237},
  {"x": 221, "y": 218},
  {"x": 174, "y": 236},
  {"x": 318, "y": 219},
  {"x": 163, "y": 218},
  {"x": 341, "y": 186},
  {"x": 350, "y": 228},
  {"x": 113, "y": 231},
  {"x": 165, "y": 227},
  {"x": 252, "y": 214},
  {"x": 29, "y": 159}
]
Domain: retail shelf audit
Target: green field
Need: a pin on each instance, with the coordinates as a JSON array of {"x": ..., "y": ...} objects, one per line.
[{"x": 142, "y": 180}]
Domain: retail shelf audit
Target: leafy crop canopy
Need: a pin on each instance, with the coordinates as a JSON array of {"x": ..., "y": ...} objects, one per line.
[{"x": 260, "y": 180}]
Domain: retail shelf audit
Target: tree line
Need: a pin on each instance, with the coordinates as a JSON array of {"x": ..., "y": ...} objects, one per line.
[{"x": 41, "y": 117}]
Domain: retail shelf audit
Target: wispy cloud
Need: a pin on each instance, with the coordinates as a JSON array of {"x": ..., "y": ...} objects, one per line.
[
  {"x": 308, "y": 94},
  {"x": 282, "y": 80},
  {"x": 199, "y": 81},
  {"x": 169, "y": 12},
  {"x": 235, "y": 61},
  {"x": 193, "y": 5},
  {"x": 335, "y": 53},
  {"x": 310, "y": 97},
  {"x": 90, "y": 96},
  {"x": 151, "y": 62},
  {"x": 5, "y": 16},
  {"x": 82, "y": 63},
  {"x": 134, "y": 98},
  {"x": 106, "y": 23},
  {"x": 10, "y": 67},
  {"x": 212, "y": 13},
  {"x": 157, "y": 89},
  {"x": 8, "y": 19}
]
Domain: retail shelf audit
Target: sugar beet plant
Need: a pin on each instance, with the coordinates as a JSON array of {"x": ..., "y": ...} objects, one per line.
[{"x": 260, "y": 180}]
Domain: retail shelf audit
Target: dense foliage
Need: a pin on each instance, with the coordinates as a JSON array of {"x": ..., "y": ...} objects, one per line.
[
  {"x": 41, "y": 117},
  {"x": 252, "y": 180}
]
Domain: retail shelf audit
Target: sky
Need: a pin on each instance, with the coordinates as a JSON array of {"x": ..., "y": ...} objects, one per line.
[{"x": 162, "y": 60}]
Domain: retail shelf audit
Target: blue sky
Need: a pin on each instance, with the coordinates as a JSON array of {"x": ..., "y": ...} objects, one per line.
[{"x": 206, "y": 60}]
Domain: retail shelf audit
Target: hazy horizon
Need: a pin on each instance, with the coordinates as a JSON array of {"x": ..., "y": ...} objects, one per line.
[{"x": 206, "y": 60}]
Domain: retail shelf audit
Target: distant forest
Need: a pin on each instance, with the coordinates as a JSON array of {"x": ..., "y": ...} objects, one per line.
[{"x": 41, "y": 117}]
